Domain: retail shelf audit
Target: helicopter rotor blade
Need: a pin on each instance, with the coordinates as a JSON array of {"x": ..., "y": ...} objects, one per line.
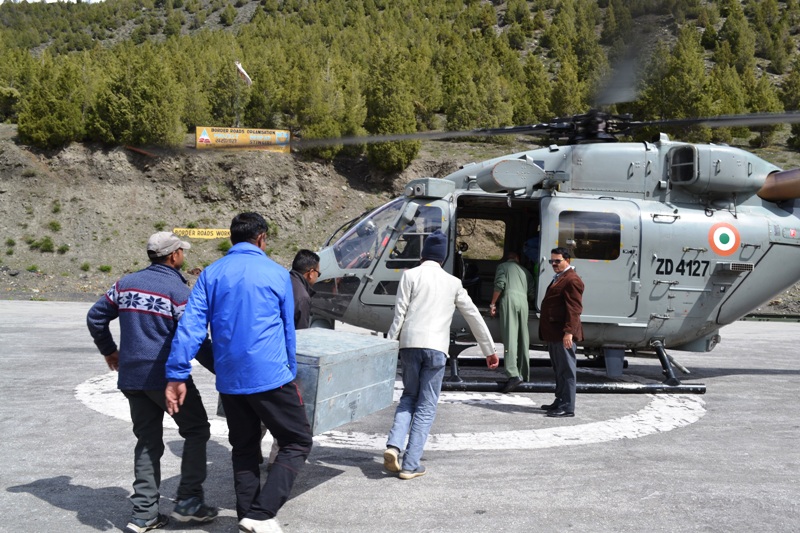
[
  {"x": 532, "y": 129},
  {"x": 593, "y": 126},
  {"x": 724, "y": 121}
]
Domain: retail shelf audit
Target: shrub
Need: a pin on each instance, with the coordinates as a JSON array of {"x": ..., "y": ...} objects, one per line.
[
  {"x": 224, "y": 246},
  {"x": 86, "y": 266},
  {"x": 64, "y": 248},
  {"x": 56, "y": 206},
  {"x": 33, "y": 268},
  {"x": 54, "y": 225},
  {"x": 160, "y": 225},
  {"x": 46, "y": 245},
  {"x": 10, "y": 251},
  {"x": 104, "y": 268},
  {"x": 10, "y": 242}
]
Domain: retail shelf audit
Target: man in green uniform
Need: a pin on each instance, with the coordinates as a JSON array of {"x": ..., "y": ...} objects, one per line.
[{"x": 513, "y": 285}]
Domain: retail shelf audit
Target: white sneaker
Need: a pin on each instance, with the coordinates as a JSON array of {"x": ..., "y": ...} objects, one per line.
[
  {"x": 391, "y": 459},
  {"x": 260, "y": 526}
]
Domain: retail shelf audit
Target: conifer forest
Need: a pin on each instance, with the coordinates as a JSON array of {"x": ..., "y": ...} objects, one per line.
[{"x": 146, "y": 72}]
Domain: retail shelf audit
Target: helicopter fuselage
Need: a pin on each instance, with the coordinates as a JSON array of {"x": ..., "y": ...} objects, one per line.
[{"x": 672, "y": 240}]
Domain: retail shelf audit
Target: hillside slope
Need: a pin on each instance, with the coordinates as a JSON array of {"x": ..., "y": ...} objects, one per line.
[{"x": 74, "y": 220}]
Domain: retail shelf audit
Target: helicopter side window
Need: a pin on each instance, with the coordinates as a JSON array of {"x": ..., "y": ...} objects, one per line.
[
  {"x": 406, "y": 251},
  {"x": 590, "y": 235}
]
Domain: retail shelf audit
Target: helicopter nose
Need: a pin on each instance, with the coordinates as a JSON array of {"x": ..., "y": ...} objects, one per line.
[{"x": 781, "y": 186}]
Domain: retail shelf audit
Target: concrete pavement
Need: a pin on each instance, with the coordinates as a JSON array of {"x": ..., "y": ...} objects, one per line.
[{"x": 724, "y": 461}]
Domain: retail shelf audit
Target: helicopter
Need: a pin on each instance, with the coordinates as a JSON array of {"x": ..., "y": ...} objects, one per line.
[{"x": 673, "y": 240}]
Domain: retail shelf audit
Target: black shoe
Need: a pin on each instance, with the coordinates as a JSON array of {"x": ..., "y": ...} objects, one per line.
[
  {"x": 511, "y": 384},
  {"x": 551, "y": 406},
  {"x": 560, "y": 413},
  {"x": 194, "y": 510},
  {"x": 140, "y": 525}
]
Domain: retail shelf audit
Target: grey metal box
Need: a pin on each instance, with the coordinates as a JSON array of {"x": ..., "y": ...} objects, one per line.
[{"x": 344, "y": 376}]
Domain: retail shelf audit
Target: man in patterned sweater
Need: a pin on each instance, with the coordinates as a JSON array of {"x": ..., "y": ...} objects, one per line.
[{"x": 148, "y": 304}]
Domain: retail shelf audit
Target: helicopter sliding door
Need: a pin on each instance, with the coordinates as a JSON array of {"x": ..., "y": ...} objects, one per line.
[{"x": 602, "y": 236}]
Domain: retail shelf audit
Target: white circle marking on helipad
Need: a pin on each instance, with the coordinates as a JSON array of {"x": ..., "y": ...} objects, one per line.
[{"x": 664, "y": 412}]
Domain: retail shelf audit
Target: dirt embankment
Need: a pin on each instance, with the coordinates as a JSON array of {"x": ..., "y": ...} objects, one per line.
[{"x": 72, "y": 221}]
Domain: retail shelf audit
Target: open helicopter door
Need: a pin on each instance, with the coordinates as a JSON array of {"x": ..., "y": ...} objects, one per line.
[
  {"x": 402, "y": 250},
  {"x": 603, "y": 237}
]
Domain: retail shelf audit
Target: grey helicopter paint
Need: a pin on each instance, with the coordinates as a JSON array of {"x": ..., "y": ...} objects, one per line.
[{"x": 673, "y": 240}]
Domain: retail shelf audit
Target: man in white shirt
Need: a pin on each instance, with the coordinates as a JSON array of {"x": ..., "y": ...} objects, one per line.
[{"x": 426, "y": 300}]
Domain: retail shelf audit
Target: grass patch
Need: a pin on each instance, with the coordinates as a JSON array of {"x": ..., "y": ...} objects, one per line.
[
  {"x": 54, "y": 225},
  {"x": 32, "y": 268},
  {"x": 224, "y": 246},
  {"x": 44, "y": 245},
  {"x": 104, "y": 268},
  {"x": 56, "y": 207},
  {"x": 10, "y": 242},
  {"x": 64, "y": 248},
  {"x": 85, "y": 267},
  {"x": 160, "y": 225}
]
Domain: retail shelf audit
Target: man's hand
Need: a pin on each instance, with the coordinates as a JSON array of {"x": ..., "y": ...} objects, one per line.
[
  {"x": 175, "y": 394},
  {"x": 568, "y": 340},
  {"x": 112, "y": 360},
  {"x": 492, "y": 361}
]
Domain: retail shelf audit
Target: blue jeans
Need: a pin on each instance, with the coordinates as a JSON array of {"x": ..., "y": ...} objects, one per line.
[{"x": 423, "y": 370}]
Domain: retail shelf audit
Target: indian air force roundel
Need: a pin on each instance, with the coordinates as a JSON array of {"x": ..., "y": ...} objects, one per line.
[{"x": 724, "y": 238}]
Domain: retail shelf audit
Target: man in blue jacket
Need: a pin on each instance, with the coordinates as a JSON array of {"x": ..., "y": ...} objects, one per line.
[
  {"x": 246, "y": 299},
  {"x": 148, "y": 304}
]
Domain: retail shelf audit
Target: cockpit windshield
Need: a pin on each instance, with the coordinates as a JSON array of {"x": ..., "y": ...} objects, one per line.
[{"x": 365, "y": 240}]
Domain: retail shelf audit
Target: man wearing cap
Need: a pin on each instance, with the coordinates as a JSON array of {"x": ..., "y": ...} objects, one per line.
[
  {"x": 426, "y": 299},
  {"x": 149, "y": 304}
]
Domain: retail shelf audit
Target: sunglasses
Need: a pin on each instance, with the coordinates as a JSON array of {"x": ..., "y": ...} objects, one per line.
[
  {"x": 315, "y": 270},
  {"x": 555, "y": 261}
]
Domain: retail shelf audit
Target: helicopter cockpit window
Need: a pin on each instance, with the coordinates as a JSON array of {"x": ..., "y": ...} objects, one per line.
[
  {"x": 682, "y": 164},
  {"x": 590, "y": 235},
  {"x": 366, "y": 239},
  {"x": 406, "y": 251}
]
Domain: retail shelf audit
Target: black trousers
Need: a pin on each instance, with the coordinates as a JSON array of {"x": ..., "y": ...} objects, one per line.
[
  {"x": 282, "y": 411},
  {"x": 147, "y": 413},
  {"x": 565, "y": 366}
]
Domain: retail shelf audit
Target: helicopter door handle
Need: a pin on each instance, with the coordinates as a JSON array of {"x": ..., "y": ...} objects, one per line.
[
  {"x": 665, "y": 219},
  {"x": 692, "y": 249},
  {"x": 660, "y": 281}
]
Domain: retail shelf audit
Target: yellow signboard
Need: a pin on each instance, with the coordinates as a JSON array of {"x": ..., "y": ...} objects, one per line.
[
  {"x": 202, "y": 233},
  {"x": 213, "y": 137}
]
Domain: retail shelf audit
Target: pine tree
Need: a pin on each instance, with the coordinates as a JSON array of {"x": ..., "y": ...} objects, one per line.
[
  {"x": 50, "y": 113},
  {"x": 390, "y": 110}
]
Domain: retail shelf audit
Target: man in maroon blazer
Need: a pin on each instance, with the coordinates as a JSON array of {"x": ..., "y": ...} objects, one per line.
[{"x": 560, "y": 327}]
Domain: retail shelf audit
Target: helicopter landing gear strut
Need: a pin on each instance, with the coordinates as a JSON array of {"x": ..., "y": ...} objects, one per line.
[
  {"x": 452, "y": 355},
  {"x": 666, "y": 363}
]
